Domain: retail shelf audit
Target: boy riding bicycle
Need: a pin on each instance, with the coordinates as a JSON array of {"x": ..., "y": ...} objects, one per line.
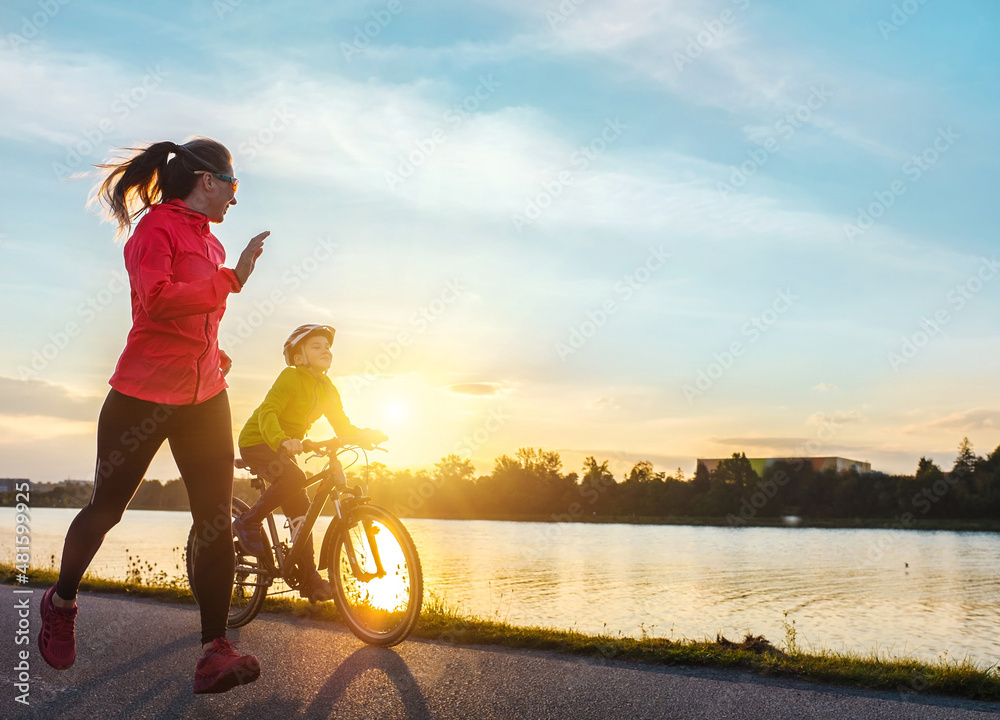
[{"x": 273, "y": 436}]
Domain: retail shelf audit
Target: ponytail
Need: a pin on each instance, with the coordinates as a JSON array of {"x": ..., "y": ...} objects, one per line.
[{"x": 160, "y": 171}]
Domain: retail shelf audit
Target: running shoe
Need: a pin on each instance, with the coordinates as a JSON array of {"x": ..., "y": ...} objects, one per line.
[
  {"x": 221, "y": 668},
  {"x": 57, "y": 640}
]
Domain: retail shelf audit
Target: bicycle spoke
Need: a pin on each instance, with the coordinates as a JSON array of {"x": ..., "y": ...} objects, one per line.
[
  {"x": 250, "y": 581},
  {"x": 376, "y": 575}
]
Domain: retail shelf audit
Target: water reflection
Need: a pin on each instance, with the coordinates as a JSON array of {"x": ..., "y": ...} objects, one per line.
[
  {"x": 906, "y": 593},
  {"x": 892, "y": 591}
]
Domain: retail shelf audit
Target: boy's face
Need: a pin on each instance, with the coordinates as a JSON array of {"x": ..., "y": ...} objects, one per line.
[{"x": 315, "y": 352}]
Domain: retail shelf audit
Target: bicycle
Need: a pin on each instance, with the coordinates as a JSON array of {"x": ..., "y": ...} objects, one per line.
[{"x": 369, "y": 556}]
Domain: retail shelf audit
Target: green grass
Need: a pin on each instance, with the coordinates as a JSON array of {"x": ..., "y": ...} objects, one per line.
[{"x": 754, "y": 654}]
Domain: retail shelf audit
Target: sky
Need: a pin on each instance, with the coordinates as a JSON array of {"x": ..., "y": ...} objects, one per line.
[{"x": 649, "y": 230}]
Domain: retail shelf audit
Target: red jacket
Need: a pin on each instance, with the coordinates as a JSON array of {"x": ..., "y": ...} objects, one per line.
[{"x": 179, "y": 291}]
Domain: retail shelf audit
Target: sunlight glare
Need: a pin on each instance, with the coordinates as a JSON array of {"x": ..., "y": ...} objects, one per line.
[
  {"x": 396, "y": 411},
  {"x": 390, "y": 592}
]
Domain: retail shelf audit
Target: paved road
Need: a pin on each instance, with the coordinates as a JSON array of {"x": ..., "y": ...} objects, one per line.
[{"x": 136, "y": 660}]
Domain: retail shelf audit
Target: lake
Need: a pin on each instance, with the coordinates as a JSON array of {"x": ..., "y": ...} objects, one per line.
[{"x": 904, "y": 593}]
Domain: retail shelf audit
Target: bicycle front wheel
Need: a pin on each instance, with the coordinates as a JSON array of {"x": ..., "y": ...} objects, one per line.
[
  {"x": 250, "y": 581},
  {"x": 376, "y": 576}
]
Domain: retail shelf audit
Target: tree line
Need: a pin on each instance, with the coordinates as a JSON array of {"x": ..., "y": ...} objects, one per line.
[{"x": 532, "y": 484}]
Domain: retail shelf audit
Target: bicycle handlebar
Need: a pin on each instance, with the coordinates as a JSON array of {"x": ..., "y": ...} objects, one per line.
[{"x": 326, "y": 447}]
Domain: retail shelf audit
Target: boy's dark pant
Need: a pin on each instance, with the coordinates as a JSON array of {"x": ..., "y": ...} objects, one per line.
[
  {"x": 287, "y": 489},
  {"x": 287, "y": 481}
]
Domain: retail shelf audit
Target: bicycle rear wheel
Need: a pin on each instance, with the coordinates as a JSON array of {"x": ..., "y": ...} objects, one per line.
[
  {"x": 250, "y": 582},
  {"x": 376, "y": 576}
]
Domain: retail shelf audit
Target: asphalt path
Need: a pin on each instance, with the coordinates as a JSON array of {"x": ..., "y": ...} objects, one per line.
[{"x": 136, "y": 658}]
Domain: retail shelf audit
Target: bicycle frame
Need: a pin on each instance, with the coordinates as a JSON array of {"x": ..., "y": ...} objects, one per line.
[
  {"x": 333, "y": 482},
  {"x": 373, "y": 565}
]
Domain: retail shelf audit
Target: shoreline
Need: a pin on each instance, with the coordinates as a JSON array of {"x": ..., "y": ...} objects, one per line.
[
  {"x": 926, "y": 524},
  {"x": 755, "y": 654},
  {"x": 858, "y": 523}
]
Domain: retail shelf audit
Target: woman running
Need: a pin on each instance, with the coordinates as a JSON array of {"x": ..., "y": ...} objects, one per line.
[{"x": 168, "y": 385}]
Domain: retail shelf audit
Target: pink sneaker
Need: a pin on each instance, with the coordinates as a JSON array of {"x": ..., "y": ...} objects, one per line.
[
  {"x": 57, "y": 640},
  {"x": 221, "y": 668}
]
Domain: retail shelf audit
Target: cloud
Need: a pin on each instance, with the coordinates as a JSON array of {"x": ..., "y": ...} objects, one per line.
[
  {"x": 484, "y": 389},
  {"x": 15, "y": 432},
  {"x": 825, "y": 387},
  {"x": 702, "y": 54},
  {"x": 741, "y": 444},
  {"x": 36, "y": 94},
  {"x": 712, "y": 55},
  {"x": 837, "y": 418},
  {"x": 33, "y": 397},
  {"x": 969, "y": 420},
  {"x": 365, "y": 131},
  {"x": 303, "y": 308}
]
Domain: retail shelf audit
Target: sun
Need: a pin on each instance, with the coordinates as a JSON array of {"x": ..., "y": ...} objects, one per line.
[{"x": 396, "y": 411}]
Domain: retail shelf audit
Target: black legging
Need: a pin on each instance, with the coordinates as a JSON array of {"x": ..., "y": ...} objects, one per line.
[{"x": 129, "y": 432}]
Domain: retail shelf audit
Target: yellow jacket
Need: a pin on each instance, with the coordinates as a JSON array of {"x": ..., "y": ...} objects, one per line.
[{"x": 295, "y": 401}]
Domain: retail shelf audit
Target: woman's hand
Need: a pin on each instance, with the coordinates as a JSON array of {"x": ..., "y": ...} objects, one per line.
[
  {"x": 291, "y": 446},
  {"x": 248, "y": 258}
]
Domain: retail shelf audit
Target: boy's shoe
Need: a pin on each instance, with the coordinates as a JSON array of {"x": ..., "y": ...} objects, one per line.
[
  {"x": 316, "y": 589},
  {"x": 221, "y": 668},
  {"x": 57, "y": 640},
  {"x": 250, "y": 535}
]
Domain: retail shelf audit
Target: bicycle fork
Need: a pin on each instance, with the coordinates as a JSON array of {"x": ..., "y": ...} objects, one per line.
[{"x": 352, "y": 558}]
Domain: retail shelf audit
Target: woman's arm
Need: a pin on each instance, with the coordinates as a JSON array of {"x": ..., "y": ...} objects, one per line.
[{"x": 163, "y": 298}]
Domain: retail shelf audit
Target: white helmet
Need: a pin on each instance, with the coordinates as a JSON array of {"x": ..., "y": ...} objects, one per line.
[{"x": 301, "y": 333}]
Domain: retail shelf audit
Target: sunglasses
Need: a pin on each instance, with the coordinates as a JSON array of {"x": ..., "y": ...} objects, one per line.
[{"x": 222, "y": 176}]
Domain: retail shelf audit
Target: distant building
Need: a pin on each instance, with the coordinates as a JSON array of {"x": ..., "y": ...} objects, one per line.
[
  {"x": 819, "y": 464},
  {"x": 8, "y": 484},
  {"x": 67, "y": 485}
]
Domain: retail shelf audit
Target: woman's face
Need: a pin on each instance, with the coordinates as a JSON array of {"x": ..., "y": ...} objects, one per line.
[{"x": 219, "y": 195}]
